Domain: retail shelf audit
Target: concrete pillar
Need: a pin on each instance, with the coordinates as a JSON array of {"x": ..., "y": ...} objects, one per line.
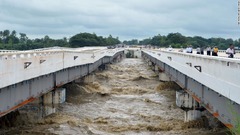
[
  {"x": 89, "y": 78},
  {"x": 114, "y": 60},
  {"x": 191, "y": 115},
  {"x": 46, "y": 104},
  {"x": 39, "y": 103},
  {"x": 149, "y": 63},
  {"x": 51, "y": 100},
  {"x": 146, "y": 59},
  {"x": 139, "y": 53},
  {"x": 102, "y": 67},
  {"x": 118, "y": 58},
  {"x": 164, "y": 77},
  {"x": 156, "y": 69},
  {"x": 59, "y": 96},
  {"x": 189, "y": 105},
  {"x": 48, "y": 107},
  {"x": 153, "y": 67}
]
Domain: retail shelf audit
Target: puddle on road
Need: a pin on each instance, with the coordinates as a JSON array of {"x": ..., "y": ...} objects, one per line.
[{"x": 125, "y": 99}]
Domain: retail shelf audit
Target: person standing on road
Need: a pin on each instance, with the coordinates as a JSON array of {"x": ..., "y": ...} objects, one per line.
[
  {"x": 209, "y": 50},
  {"x": 198, "y": 49},
  {"x": 230, "y": 51},
  {"x": 190, "y": 49},
  {"x": 215, "y": 51},
  {"x": 202, "y": 50},
  {"x": 169, "y": 48}
]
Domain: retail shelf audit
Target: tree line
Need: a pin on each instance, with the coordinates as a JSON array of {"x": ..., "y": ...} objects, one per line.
[
  {"x": 177, "y": 40},
  {"x": 11, "y": 40}
]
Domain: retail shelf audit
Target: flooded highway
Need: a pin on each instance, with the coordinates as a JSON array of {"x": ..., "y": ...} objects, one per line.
[{"x": 125, "y": 99}]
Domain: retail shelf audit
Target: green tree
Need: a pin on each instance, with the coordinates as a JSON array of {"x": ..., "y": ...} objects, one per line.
[
  {"x": 23, "y": 38},
  {"x": 88, "y": 39},
  {"x": 131, "y": 42},
  {"x": 5, "y": 36},
  {"x": 145, "y": 41},
  {"x": 176, "y": 38},
  {"x": 1, "y": 37},
  {"x": 112, "y": 41},
  {"x": 156, "y": 40},
  {"x": 13, "y": 33},
  {"x": 83, "y": 39}
]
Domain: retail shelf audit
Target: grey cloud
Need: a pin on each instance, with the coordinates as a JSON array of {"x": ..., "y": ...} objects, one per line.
[{"x": 124, "y": 18}]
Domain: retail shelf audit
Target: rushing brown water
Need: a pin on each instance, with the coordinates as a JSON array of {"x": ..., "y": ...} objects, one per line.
[{"x": 126, "y": 99}]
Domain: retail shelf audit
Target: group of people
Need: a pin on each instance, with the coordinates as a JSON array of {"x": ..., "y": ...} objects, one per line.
[{"x": 212, "y": 51}]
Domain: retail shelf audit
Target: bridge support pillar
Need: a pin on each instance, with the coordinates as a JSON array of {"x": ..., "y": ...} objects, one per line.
[
  {"x": 48, "y": 107},
  {"x": 164, "y": 77},
  {"x": 117, "y": 59},
  {"x": 156, "y": 69},
  {"x": 192, "y": 109},
  {"x": 153, "y": 67},
  {"x": 102, "y": 67},
  {"x": 191, "y": 115},
  {"x": 45, "y": 104},
  {"x": 144, "y": 57},
  {"x": 89, "y": 78},
  {"x": 51, "y": 100},
  {"x": 150, "y": 63}
]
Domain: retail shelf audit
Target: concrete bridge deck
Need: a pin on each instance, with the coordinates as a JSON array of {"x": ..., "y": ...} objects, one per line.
[
  {"x": 26, "y": 75},
  {"x": 212, "y": 81}
]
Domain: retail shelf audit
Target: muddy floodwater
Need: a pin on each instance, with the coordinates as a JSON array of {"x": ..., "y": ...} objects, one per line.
[{"x": 125, "y": 99}]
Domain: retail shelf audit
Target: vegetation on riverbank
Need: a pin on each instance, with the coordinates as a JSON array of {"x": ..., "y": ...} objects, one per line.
[{"x": 11, "y": 40}]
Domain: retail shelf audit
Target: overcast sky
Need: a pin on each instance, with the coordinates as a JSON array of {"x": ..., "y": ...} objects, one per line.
[{"x": 126, "y": 19}]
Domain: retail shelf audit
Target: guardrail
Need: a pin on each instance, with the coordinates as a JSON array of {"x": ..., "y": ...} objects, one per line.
[
  {"x": 18, "y": 66},
  {"x": 8, "y": 51}
]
